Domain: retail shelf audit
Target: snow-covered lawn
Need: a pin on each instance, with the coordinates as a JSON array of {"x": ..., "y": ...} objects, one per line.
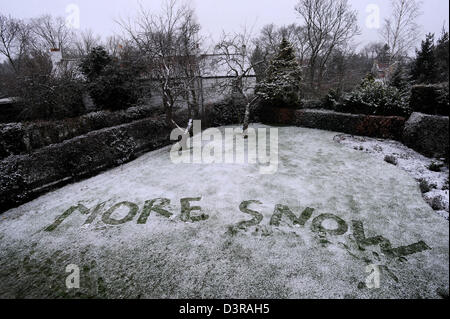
[
  {"x": 434, "y": 183},
  {"x": 355, "y": 198}
]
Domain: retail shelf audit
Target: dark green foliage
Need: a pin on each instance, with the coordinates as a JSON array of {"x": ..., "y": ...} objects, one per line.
[
  {"x": 430, "y": 99},
  {"x": 43, "y": 95},
  {"x": 435, "y": 167},
  {"x": 399, "y": 80},
  {"x": 46, "y": 97},
  {"x": 112, "y": 84},
  {"x": 331, "y": 100},
  {"x": 376, "y": 98},
  {"x": 424, "y": 68},
  {"x": 281, "y": 86},
  {"x": 93, "y": 65},
  {"x": 442, "y": 58},
  {"x": 229, "y": 111}
]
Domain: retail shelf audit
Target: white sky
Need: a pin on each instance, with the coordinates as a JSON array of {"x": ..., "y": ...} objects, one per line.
[{"x": 215, "y": 15}]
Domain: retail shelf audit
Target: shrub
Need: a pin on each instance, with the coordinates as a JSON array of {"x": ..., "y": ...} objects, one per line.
[
  {"x": 115, "y": 89},
  {"x": 229, "y": 111},
  {"x": 48, "y": 97},
  {"x": 430, "y": 99},
  {"x": 331, "y": 101},
  {"x": 376, "y": 98},
  {"x": 112, "y": 84}
]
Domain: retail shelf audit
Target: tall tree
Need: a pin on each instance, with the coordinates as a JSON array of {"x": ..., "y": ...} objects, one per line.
[
  {"x": 51, "y": 33},
  {"x": 442, "y": 57},
  {"x": 235, "y": 53},
  {"x": 329, "y": 25},
  {"x": 168, "y": 44},
  {"x": 424, "y": 66},
  {"x": 281, "y": 87},
  {"x": 14, "y": 40},
  {"x": 400, "y": 31}
]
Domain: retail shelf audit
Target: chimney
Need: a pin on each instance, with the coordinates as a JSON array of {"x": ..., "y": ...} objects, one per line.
[{"x": 56, "y": 58}]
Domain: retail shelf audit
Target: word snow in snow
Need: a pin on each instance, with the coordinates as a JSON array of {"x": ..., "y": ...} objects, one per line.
[{"x": 320, "y": 224}]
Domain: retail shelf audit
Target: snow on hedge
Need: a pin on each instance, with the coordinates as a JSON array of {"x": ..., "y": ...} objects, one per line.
[{"x": 338, "y": 211}]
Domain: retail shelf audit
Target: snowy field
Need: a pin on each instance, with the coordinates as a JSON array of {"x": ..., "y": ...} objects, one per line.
[{"x": 352, "y": 210}]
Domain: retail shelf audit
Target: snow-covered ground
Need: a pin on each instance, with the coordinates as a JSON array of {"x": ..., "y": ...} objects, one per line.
[
  {"x": 435, "y": 183},
  {"x": 325, "y": 256}
]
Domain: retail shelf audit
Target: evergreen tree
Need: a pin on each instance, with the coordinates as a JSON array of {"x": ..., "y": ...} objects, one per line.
[
  {"x": 281, "y": 86},
  {"x": 95, "y": 62},
  {"x": 384, "y": 55},
  {"x": 442, "y": 57},
  {"x": 399, "y": 80},
  {"x": 424, "y": 67}
]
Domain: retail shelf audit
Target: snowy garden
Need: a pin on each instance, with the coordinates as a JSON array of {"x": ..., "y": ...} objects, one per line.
[{"x": 316, "y": 166}]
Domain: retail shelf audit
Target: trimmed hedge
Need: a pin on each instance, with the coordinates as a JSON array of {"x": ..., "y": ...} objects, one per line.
[
  {"x": 24, "y": 177},
  {"x": 428, "y": 134},
  {"x": 389, "y": 127},
  {"x": 22, "y": 138},
  {"x": 229, "y": 110}
]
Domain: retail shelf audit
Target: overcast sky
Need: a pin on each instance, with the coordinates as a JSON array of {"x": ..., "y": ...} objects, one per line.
[{"x": 215, "y": 15}]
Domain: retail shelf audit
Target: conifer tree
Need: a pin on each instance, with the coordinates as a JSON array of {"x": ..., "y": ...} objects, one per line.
[
  {"x": 442, "y": 57},
  {"x": 424, "y": 66},
  {"x": 281, "y": 86}
]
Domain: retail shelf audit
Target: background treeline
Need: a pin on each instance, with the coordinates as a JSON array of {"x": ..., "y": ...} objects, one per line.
[{"x": 315, "y": 61}]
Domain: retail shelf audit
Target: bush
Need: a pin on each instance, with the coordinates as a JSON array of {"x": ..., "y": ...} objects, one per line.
[
  {"x": 376, "y": 98},
  {"x": 430, "y": 99},
  {"x": 115, "y": 89},
  {"x": 229, "y": 111},
  {"x": 331, "y": 101},
  {"x": 49, "y": 97},
  {"x": 112, "y": 84}
]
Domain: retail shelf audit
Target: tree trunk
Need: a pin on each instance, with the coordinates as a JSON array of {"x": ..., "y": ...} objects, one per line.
[{"x": 246, "y": 120}]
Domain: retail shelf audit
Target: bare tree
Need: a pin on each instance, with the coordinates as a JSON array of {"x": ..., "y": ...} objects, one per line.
[
  {"x": 14, "y": 39},
  {"x": 85, "y": 42},
  {"x": 400, "y": 31},
  {"x": 51, "y": 32},
  {"x": 114, "y": 45},
  {"x": 271, "y": 36},
  {"x": 330, "y": 24},
  {"x": 234, "y": 52},
  {"x": 373, "y": 50},
  {"x": 168, "y": 43}
]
